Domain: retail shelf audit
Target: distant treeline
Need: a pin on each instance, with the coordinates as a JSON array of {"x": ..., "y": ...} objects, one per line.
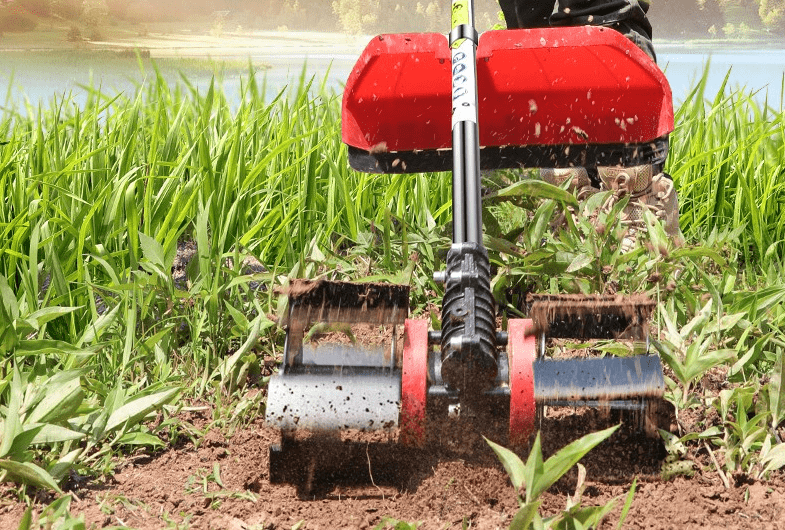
[{"x": 670, "y": 18}]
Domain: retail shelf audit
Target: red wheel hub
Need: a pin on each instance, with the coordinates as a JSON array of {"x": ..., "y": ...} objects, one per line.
[
  {"x": 523, "y": 352},
  {"x": 413, "y": 382}
]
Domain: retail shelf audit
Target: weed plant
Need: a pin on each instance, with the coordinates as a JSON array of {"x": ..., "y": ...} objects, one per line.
[{"x": 104, "y": 327}]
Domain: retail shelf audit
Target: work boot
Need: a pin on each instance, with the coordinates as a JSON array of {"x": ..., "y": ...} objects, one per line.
[
  {"x": 580, "y": 185},
  {"x": 646, "y": 191}
]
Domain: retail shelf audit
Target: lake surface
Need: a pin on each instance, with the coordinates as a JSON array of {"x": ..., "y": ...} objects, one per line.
[{"x": 36, "y": 76}]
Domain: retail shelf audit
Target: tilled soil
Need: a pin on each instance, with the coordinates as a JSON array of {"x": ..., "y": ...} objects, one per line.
[{"x": 357, "y": 480}]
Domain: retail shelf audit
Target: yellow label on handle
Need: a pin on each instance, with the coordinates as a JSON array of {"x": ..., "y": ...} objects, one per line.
[{"x": 460, "y": 12}]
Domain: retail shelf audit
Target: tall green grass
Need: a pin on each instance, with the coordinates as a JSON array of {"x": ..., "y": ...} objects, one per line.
[{"x": 727, "y": 158}]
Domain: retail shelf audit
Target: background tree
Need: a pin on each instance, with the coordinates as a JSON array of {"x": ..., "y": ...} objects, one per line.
[
  {"x": 686, "y": 18},
  {"x": 772, "y": 14}
]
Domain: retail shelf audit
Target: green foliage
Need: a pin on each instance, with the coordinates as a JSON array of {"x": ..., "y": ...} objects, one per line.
[
  {"x": 395, "y": 524},
  {"x": 356, "y": 16},
  {"x": 690, "y": 351},
  {"x": 728, "y": 170},
  {"x": 56, "y": 515},
  {"x": 99, "y": 197},
  {"x": 50, "y": 411},
  {"x": 583, "y": 255},
  {"x": 748, "y": 443},
  {"x": 533, "y": 478}
]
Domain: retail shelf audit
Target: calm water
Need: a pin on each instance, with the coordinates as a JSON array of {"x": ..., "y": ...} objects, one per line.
[{"x": 36, "y": 76}]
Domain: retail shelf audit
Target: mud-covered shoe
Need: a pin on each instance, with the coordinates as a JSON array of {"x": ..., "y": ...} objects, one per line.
[
  {"x": 646, "y": 191},
  {"x": 580, "y": 182}
]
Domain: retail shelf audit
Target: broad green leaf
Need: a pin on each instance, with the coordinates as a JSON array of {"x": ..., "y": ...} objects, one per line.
[
  {"x": 64, "y": 465},
  {"x": 50, "y": 434},
  {"x": 56, "y": 512},
  {"x": 152, "y": 250},
  {"x": 11, "y": 423},
  {"x": 777, "y": 391},
  {"x": 697, "y": 324},
  {"x": 665, "y": 350},
  {"x": 502, "y": 246},
  {"x": 8, "y": 302},
  {"x": 727, "y": 322},
  {"x": 542, "y": 220},
  {"x": 709, "y": 433},
  {"x": 22, "y": 442},
  {"x": 62, "y": 395},
  {"x": 583, "y": 517},
  {"x": 51, "y": 347},
  {"x": 203, "y": 241},
  {"x": 47, "y": 314},
  {"x": 627, "y": 503},
  {"x": 532, "y": 470},
  {"x": 581, "y": 260},
  {"x": 27, "y": 519},
  {"x": 93, "y": 331},
  {"x": 525, "y": 515},
  {"x": 558, "y": 464},
  {"x": 114, "y": 400},
  {"x": 136, "y": 409},
  {"x": 140, "y": 438},
  {"x": 29, "y": 473},
  {"x": 752, "y": 352},
  {"x": 618, "y": 349},
  {"x": 774, "y": 459},
  {"x": 513, "y": 465},
  {"x": 702, "y": 363},
  {"x": 538, "y": 189}
]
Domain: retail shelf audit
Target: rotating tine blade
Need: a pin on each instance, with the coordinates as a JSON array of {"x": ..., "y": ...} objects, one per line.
[
  {"x": 312, "y": 301},
  {"x": 335, "y": 383},
  {"x": 619, "y": 380},
  {"x": 326, "y": 302}
]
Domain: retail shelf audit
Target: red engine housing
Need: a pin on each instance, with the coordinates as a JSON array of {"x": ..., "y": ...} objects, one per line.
[{"x": 552, "y": 88}]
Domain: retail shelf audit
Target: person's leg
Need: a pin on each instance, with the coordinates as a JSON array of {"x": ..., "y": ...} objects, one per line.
[
  {"x": 520, "y": 14},
  {"x": 527, "y": 14},
  {"x": 647, "y": 185},
  {"x": 626, "y": 16}
]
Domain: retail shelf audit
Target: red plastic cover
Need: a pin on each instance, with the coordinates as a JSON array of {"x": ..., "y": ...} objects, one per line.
[{"x": 553, "y": 86}]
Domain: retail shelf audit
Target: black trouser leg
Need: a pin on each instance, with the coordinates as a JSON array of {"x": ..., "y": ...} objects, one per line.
[
  {"x": 527, "y": 13},
  {"x": 626, "y": 16}
]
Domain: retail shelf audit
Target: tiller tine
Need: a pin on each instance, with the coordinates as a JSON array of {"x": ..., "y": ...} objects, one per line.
[
  {"x": 618, "y": 382},
  {"x": 590, "y": 316},
  {"x": 333, "y": 382},
  {"x": 634, "y": 383}
]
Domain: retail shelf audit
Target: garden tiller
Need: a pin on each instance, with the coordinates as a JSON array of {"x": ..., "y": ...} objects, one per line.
[{"x": 554, "y": 97}]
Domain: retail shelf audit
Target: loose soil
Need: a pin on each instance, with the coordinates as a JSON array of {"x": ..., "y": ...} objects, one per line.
[{"x": 357, "y": 480}]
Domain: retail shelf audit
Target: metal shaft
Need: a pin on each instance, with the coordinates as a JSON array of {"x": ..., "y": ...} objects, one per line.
[
  {"x": 467, "y": 213},
  {"x": 468, "y": 338}
]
